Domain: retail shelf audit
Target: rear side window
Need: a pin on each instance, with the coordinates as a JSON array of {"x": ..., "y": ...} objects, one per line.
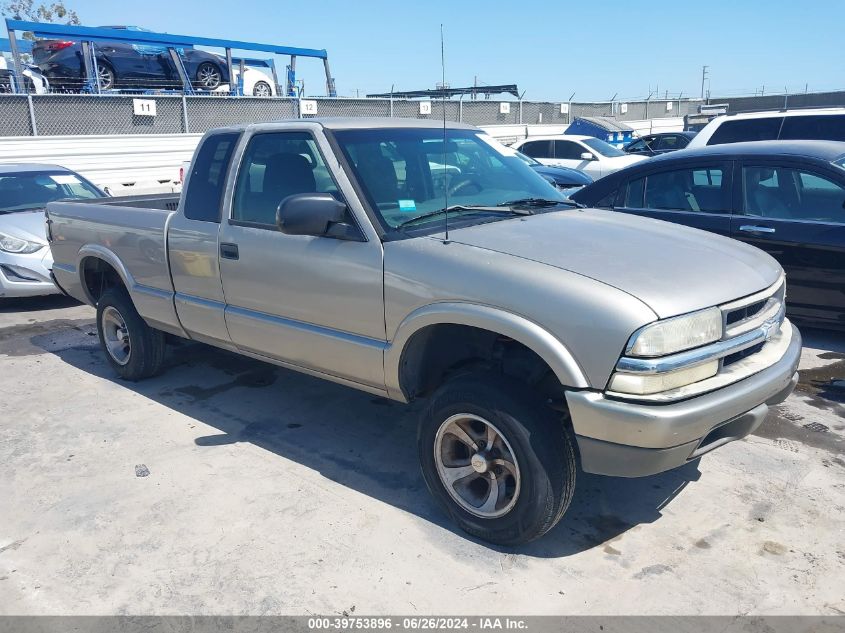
[
  {"x": 814, "y": 127},
  {"x": 634, "y": 193},
  {"x": 537, "y": 149},
  {"x": 739, "y": 131},
  {"x": 568, "y": 150},
  {"x": 204, "y": 196}
]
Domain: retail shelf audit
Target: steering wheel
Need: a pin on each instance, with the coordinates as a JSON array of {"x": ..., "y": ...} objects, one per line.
[{"x": 463, "y": 184}]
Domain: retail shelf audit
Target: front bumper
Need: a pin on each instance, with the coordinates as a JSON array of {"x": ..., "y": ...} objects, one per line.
[
  {"x": 26, "y": 275},
  {"x": 631, "y": 439}
]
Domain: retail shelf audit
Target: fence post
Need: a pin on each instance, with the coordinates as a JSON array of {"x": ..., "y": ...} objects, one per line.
[
  {"x": 520, "y": 110},
  {"x": 32, "y": 115},
  {"x": 391, "y": 105},
  {"x": 185, "y": 125},
  {"x": 298, "y": 113}
]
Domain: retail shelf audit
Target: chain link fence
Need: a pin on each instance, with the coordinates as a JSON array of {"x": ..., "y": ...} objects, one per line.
[{"x": 77, "y": 114}]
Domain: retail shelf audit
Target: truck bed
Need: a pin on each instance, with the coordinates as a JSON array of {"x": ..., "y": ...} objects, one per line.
[{"x": 131, "y": 228}]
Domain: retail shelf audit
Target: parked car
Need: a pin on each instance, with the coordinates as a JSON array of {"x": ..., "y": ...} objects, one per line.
[
  {"x": 257, "y": 83},
  {"x": 567, "y": 180},
  {"x": 653, "y": 144},
  {"x": 532, "y": 327},
  {"x": 122, "y": 65},
  {"x": 785, "y": 197},
  {"x": 25, "y": 189},
  {"x": 585, "y": 153},
  {"x": 824, "y": 124},
  {"x": 35, "y": 82}
]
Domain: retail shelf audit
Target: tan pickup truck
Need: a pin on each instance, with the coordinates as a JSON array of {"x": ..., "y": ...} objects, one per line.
[{"x": 416, "y": 261}]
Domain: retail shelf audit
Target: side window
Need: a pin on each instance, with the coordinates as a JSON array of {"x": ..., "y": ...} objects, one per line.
[
  {"x": 568, "y": 150},
  {"x": 634, "y": 195},
  {"x": 537, "y": 149},
  {"x": 741, "y": 130},
  {"x": 819, "y": 127},
  {"x": 275, "y": 166},
  {"x": 638, "y": 146},
  {"x": 204, "y": 196},
  {"x": 791, "y": 194},
  {"x": 668, "y": 143},
  {"x": 608, "y": 201},
  {"x": 695, "y": 189}
]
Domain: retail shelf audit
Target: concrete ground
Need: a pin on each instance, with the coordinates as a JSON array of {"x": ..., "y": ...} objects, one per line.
[{"x": 227, "y": 486}]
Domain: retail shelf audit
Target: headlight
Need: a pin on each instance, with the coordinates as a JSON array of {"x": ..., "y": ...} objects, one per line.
[
  {"x": 11, "y": 244},
  {"x": 646, "y": 384},
  {"x": 677, "y": 334}
]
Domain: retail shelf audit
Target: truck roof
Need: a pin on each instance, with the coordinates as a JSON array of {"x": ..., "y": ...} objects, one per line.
[{"x": 359, "y": 123}]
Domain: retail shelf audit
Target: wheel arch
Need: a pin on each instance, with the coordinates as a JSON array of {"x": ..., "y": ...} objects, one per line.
[
  {"x": 99, "y": 264},
  {"x": 407, "y": 350}
]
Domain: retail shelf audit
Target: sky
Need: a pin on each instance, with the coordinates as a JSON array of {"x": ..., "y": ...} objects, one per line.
[{"x": 551, "y": 50}]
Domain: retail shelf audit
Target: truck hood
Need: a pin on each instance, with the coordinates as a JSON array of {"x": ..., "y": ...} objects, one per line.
[
  {"x": 26, "y": 225},
  {"x": 671, "y": 268}
]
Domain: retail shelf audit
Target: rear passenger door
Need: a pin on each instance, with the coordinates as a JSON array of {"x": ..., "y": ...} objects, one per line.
[
  {"x": 697, "y": 195},
  {"x": 796, "y": 213}
]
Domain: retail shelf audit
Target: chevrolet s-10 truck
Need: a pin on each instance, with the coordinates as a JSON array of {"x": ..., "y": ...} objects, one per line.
[{"x": 412, "y": 259}]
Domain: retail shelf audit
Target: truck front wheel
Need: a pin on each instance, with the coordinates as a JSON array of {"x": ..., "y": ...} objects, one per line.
[
  {"x": 499, "y": 461},
  {"x": 134, "y": 349}
]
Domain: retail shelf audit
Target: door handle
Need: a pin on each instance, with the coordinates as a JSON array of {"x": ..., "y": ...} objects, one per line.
[
  {"x": 750, "y": 228},
  {"x": 229, "y": 251}
]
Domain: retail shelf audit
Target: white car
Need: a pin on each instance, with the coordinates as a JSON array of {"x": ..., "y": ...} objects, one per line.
[
  {"x": 823, "y": 124},
  {"x": 38, "y": 83},
  {"x": 257, "y": 83},
  {"x": 585, "y": 153},
  {"x": 25, "y": 189}
]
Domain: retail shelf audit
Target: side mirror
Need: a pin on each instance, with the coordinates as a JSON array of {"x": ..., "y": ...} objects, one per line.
[
  {"x": 317, "y": 214},
  {"x": 587, "y": 156}
]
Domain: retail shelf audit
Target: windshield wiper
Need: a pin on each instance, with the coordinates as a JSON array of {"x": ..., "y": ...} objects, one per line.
[
  {"x": 540, "y": 203},
  {"x": 464, "y": 207}
]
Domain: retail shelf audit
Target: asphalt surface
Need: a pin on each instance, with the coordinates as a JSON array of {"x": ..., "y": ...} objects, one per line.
[{"x": 227, "y": 486}]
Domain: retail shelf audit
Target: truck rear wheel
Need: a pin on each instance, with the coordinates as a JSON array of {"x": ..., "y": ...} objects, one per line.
[
  {"x": 134, "y": 349},
  {"x": 496, "y": 458}
]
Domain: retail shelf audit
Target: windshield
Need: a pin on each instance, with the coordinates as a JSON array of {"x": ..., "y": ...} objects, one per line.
[
  {"x": 605, "y": 149},
  {"x": 409, "y": 172},
  {"x": 34, "y": 189}
]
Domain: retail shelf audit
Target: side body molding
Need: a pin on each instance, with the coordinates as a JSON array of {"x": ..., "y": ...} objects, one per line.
[{"x": 517, "y": 327}]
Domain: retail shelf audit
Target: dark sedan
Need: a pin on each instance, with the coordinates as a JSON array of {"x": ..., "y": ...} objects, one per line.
[
  {"x": 785, "y": 197},
  {"x": 567, "y": 180},
  {"x": 127, "y": 66},
  {"x": 653, "y": 144}
]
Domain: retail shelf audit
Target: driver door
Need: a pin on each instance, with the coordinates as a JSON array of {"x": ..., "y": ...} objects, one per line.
[{"x": 315, "y": 303}]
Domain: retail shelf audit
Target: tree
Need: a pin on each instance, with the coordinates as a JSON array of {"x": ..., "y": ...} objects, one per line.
[{"x": 42, "y": 12}]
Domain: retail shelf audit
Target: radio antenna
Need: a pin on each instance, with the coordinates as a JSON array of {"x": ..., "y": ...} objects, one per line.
[{"x": 445, "y": 167}]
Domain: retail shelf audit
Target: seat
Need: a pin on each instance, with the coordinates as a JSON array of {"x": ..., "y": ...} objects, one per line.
[
  {"x": 379, "y": 175},
  {"x": 285, "y": 174},
  {"x": 761, "y": 200}
]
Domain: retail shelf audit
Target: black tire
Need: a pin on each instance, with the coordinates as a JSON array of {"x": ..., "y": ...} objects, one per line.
[
  {"x": 209, "y": 76},
  {"x": 146, "y": 345},
  {"x": 540, "y": 442}
]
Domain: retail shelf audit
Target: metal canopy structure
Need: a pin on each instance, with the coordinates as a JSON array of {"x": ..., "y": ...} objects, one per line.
[
  {"x": 89, "y": 36},
  {"x": 441, "y": 93}
]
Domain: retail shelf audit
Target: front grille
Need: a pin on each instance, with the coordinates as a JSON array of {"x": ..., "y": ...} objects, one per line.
[
  {"x": 733, "y": 358},
  {"x": 740, "y": 314}
]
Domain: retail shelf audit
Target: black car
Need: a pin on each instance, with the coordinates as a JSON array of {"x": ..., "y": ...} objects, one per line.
[
  {"x": 785, "y": 197},
  {"x": 127, "y": 66},
  {"x": 653, "y": 144}
]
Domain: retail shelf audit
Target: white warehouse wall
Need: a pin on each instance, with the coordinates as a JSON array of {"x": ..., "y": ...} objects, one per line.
[{"x": 125, "y": 164}]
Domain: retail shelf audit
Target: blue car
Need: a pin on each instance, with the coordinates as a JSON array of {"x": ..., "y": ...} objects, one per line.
[{"x": 567, "y": 180}]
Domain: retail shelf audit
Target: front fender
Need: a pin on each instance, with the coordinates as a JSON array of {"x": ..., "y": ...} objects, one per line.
[{"x": 514, "y": 326}]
